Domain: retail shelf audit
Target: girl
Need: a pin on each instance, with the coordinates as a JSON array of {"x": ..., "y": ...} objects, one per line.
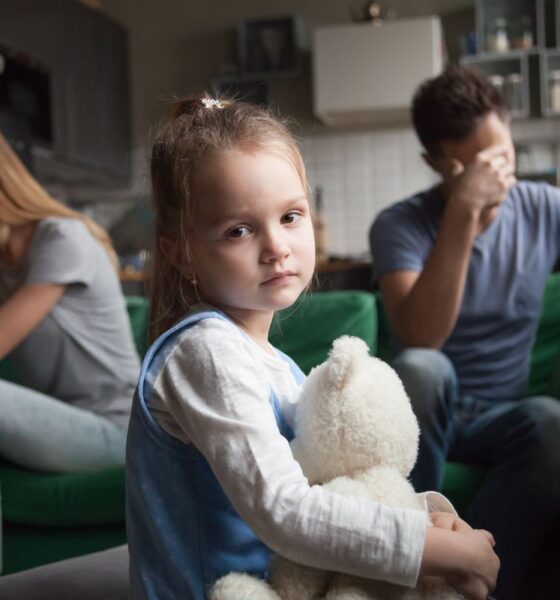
[
  {"x": 212, "y": 486},
  {"x": 63, "y": 322}
]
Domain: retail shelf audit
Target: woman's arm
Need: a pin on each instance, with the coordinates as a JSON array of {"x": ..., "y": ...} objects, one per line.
[{"x": 26, "y": 308}]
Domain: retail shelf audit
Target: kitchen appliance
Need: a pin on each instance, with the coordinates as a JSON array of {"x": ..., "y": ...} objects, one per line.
[
  {"x": 17, "y": 131},
  {"x": 25, "y": 92}
]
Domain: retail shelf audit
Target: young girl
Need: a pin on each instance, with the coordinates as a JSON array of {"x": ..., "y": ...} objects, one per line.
[
  {"x": 63, "y": 321},
  {"x": 212, "y": 486}
]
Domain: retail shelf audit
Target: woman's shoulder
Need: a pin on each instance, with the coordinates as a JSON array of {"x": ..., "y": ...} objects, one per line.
[
  {"x": 63, "y": 232},
  {"x": 61, "y": 227}
]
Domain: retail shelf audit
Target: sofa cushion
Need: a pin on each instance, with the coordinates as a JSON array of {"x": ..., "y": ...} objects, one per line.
[
  {"x": 63, "y": 499},
  {"x": 306, "y": 330},
  {"x": 139, "y": 314},
  {"x": 545, "y": 357}
]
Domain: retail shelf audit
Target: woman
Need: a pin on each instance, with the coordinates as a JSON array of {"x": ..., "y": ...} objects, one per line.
[{"x": 63, "y": 321}]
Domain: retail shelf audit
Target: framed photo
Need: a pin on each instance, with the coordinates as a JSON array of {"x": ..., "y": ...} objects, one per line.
[{"x": 269, "y": 46}]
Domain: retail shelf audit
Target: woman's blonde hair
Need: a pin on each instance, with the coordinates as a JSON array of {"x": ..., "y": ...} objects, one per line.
[
  {"x": 193, "y": 130},
  {"x": 23, "y": 200}
]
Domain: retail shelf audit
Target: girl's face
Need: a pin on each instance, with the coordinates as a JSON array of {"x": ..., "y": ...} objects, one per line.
[{"x": 253, "y": 248}]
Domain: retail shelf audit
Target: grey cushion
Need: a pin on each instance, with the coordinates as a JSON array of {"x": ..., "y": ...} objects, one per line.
[{"x": 90, "y": 577}]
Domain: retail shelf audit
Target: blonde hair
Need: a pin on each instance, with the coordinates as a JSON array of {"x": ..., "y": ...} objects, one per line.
[
  {"x": 195, "y": 128},
  {"x": 23, "y": 201}
]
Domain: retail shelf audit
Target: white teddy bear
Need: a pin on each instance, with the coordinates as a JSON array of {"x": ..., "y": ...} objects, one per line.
[{"x": 356, "y": 434}]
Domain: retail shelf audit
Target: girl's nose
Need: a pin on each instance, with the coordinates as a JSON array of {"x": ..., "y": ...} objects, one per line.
[{"x": 275, "y": 247}]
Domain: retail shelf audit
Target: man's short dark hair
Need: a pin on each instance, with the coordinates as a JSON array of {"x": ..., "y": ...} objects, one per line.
[{"x": 449, "y": 106}]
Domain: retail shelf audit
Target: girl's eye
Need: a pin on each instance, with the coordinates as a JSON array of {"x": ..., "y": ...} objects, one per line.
[
  {"x": 238, "y": 232},
  {"x": 291, "y": 217}
]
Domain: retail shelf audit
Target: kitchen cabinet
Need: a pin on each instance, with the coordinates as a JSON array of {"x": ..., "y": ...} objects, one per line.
[
  {"x": 87, "y": 57},
  {"x": 520, "y": 40},
  {"x": 367, "y": 74}
]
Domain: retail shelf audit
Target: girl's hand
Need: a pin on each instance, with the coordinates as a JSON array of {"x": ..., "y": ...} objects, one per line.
[
  {"x": 478, "y": 575},
  {"x": 449, "y": 521},
  {"x": 462, "y": 555}
]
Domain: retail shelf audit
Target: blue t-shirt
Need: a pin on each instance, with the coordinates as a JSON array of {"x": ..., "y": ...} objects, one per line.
[{"x": 509, "y": 265}]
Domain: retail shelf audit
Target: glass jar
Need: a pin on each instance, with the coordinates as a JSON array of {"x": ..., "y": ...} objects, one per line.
[
  {"x": 522, "y": 33},
  {"x": 498, "y": 82},
  {"x": 498, "y": 40},
  {"x": 513, "y": 92},
  {"x": 554, "y": 90}
]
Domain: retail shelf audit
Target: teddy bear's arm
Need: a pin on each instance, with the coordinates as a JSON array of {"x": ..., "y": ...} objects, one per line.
[{"x": 293, "y": 581}]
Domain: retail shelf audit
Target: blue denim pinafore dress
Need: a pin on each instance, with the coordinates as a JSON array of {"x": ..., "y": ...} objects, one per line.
[{"x": 183, "y": 533}]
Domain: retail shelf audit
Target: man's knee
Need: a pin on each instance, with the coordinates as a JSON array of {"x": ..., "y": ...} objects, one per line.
[
  {"x": 537, "y": 435},
  {"x": 428, "y": 377},
  {"x": 541, "y": 416}
]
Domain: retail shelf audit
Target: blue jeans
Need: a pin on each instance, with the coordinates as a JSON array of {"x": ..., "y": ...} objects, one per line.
[
  {"x": 518, "y": 440},
  {"x": 44, "y": 434}
]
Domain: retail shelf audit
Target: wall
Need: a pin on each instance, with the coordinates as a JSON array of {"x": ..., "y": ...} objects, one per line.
[
  {"x": 178, "y": 46},
  {"x": 359, "y": 174}
]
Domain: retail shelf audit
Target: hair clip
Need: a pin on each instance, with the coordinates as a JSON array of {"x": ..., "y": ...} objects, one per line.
[{"x": 211, "y": 103}]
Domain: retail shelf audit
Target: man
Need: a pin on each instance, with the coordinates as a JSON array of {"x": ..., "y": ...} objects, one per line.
[{"x": 462, "y": 269}]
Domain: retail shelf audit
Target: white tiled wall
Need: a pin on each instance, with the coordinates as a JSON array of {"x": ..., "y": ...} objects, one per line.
[{"x": 361, "y": 173}]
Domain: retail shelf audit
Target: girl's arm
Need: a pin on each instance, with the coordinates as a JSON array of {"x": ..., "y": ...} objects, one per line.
[
  {"x": 218, "y": 398},
  {"x": 25, "y": 309}
]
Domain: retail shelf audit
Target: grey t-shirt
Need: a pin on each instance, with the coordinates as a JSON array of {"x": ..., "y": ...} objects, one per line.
[
  {"x": 509, "y": 265},
  {"x": 82, "y": 352}
]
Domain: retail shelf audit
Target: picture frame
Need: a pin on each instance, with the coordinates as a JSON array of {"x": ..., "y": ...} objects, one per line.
[{"x": 269, "y": 46}]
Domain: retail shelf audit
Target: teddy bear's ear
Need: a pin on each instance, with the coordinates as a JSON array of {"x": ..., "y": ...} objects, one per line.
[{"x": 346, "y": 355}]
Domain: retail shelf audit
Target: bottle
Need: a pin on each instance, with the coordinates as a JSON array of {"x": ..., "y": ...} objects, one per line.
[
  {"x": 522, "y": 34},
  {"x": 498, "y": 40},
  {"x": 554, "y": 90},
  {"x": 513, "y": 92},
  {"x": 498, "y": 82}
]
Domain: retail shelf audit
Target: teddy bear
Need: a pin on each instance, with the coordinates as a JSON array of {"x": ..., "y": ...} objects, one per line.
[{"x": 355, "y": 434}]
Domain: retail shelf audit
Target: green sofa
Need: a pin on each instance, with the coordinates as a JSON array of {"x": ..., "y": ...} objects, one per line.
[{"x": 47, "y": 517}]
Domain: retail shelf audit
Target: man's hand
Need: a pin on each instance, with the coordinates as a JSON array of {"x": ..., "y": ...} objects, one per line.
[{"x": 482, "y": 185}]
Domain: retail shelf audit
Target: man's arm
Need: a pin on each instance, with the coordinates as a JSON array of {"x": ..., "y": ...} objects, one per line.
[{"x": 423, "y": 307}]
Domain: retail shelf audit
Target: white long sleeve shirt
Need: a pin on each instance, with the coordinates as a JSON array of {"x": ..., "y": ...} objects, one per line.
[{"x": 213, "y": 391}]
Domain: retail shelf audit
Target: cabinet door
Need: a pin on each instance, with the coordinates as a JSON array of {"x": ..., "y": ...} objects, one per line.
[
  {"x": 95, "y": 54},
  {"x": 112, "y": 96},
  {"x": 87, "y": 57},
  {"x": 35, "y": 27},
  {"x": 32, "y": 26}
]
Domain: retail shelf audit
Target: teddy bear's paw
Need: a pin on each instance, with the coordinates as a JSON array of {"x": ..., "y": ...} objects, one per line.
[
  {"x": 240, "y": 586},
  {"x": 297, "y": 582},
  {"x": 346, "y": 587},
  {"x": 436, "y": 588}
]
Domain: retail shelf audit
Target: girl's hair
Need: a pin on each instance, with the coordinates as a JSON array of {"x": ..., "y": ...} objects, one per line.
[
  {"x": 23, "y": 201},
  {"x": 194, "y": 129}
]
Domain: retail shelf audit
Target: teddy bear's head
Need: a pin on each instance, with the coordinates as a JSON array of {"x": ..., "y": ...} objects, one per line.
[{"x": 353, "y": 414}]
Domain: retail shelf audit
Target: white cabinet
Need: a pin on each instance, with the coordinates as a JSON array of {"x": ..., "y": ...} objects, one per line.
[{"x": 366, "y": 74}]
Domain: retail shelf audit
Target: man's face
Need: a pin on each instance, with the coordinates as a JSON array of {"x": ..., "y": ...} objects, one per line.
[{"x": 490, "y": 131}]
